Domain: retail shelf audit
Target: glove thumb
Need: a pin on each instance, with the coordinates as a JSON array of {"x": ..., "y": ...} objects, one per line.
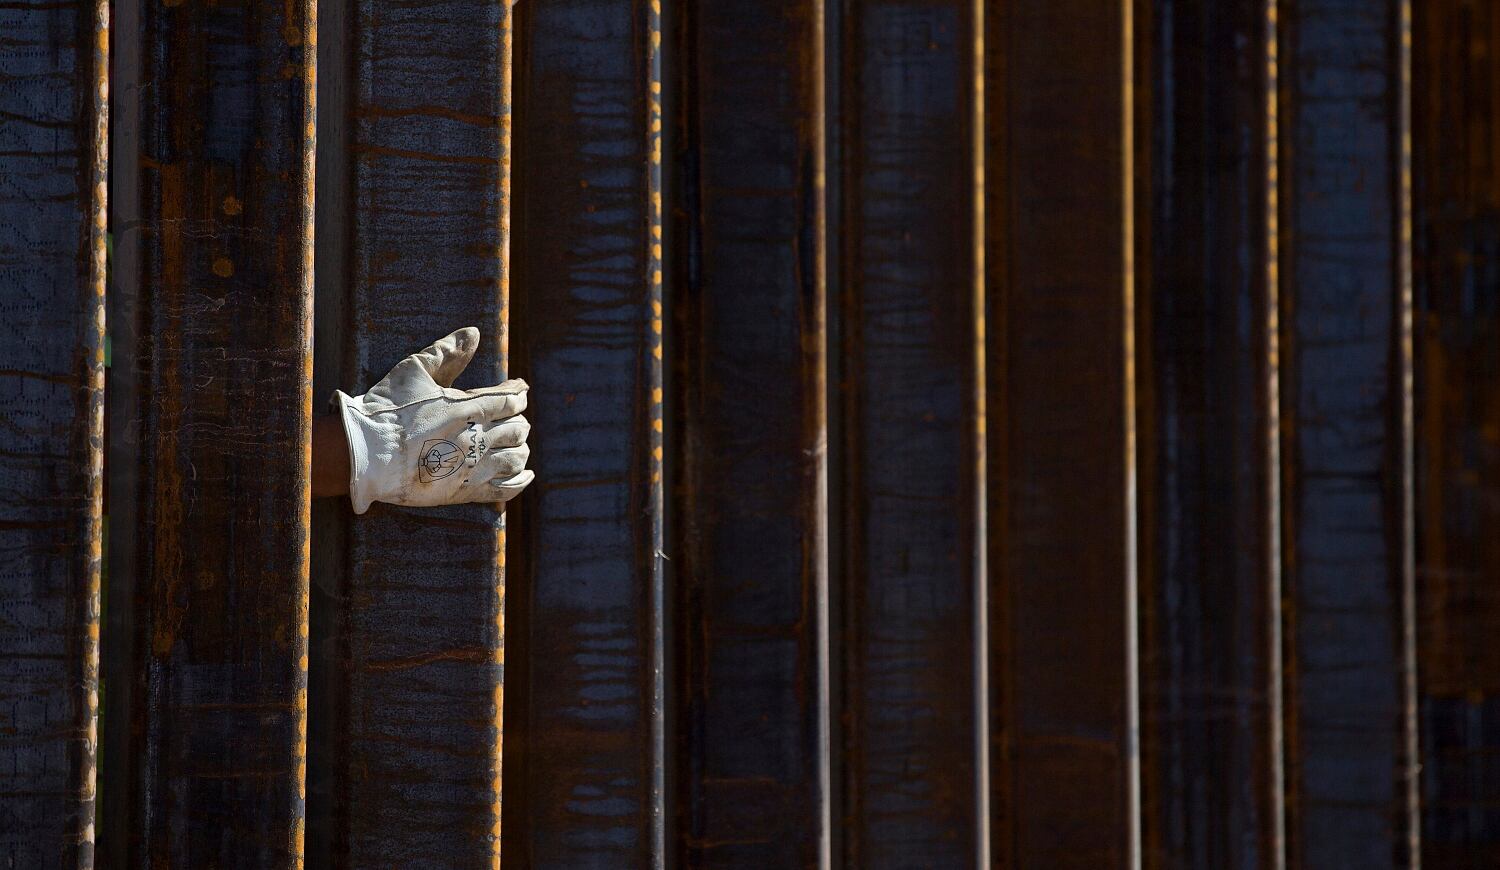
[{"x": 447, "y": 357}]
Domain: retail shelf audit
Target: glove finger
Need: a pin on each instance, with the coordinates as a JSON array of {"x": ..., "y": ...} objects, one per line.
[
  {"x": 505, "y": 464},
  {"x": 512, "y": 387},
  {"x": 509, "y": 433},
  {"x": 447, "y": 357},
  {"x": 507, "y": 388},
  {"x": 507, "y": 489},
  {"x": 495, "y": 405}
]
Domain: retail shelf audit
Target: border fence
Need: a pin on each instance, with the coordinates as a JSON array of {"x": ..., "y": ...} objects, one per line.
[{"x": 1039, "y": 433}]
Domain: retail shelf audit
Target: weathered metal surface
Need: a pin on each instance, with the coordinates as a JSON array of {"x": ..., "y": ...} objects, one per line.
[
  {"x": 1060, "y": 458},
  {"x": 1344, "y": 552},
  {"x": 412, "y": 662},
  {"x": 750, "y": 542},
  {"x": 215, "y": 766},
  {"x": 908, "y": 397},
  {"x": 326, "y": 832},
  {"x": 123, "y": 473},
  {"x": 53, "y": 118},
  {"x": 1273, "y": 397},
  {"x": 1457, "y": 139},
  {"x": 585, "y": 737},
  {"x": 1211, "y": 790}
]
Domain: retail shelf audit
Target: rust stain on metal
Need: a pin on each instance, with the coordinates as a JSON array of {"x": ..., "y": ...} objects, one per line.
[
  {"x": 656, "y": 603},
  {"x": 1130, "y": 480},
  {"x": 54, "y": 61},
  {"x": 223, "y": 417},
  {"x": 1407, "y": 530},
  {"x": 304, "y": 12},
  {"x": 497, "y": 711},
  {"x": 94, "y": 347},
  {"x": 1273, "y": 621}
]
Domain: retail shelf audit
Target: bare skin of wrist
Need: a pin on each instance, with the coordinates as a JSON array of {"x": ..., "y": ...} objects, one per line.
[{"x": 330, "y": 457}]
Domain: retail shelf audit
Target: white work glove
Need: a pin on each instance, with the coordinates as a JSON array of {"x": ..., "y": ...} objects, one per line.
[{"x": 414, "y": 440}]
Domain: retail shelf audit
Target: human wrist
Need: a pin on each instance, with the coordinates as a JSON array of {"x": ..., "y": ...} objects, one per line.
[{"x": 330, "y": 457}]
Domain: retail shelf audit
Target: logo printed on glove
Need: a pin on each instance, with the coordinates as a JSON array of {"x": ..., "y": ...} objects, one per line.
[
  {"x": 477, "y": 445},
  {"x": 439, "y": 459}
]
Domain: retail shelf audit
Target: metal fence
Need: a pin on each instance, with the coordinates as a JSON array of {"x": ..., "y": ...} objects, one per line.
[{"x": 1038, "y": 434}]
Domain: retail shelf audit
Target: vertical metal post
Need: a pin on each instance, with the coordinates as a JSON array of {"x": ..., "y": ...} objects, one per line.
[
  {"x": 1455, "y": 126},
  {"x": 1209, "y": 516},
  {"x": 53, "y": 141},
  {"x": 750, "y": 533},
  {"x": 1345, "y": 488},
  {"x": 1062, "y": 462},
  {"x": 215, "y": 766},
  {"x": 415, "y": 661},
  {"x": 909, "y": 402},
  {"x": 586, "y": 729}
]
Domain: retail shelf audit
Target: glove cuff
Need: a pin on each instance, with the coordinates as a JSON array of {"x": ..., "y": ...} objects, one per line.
[{"x": 358, "y": 434}]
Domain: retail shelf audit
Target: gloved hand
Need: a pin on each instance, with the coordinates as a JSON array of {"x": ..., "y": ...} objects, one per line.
[{"x": 414, "y": 440}]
